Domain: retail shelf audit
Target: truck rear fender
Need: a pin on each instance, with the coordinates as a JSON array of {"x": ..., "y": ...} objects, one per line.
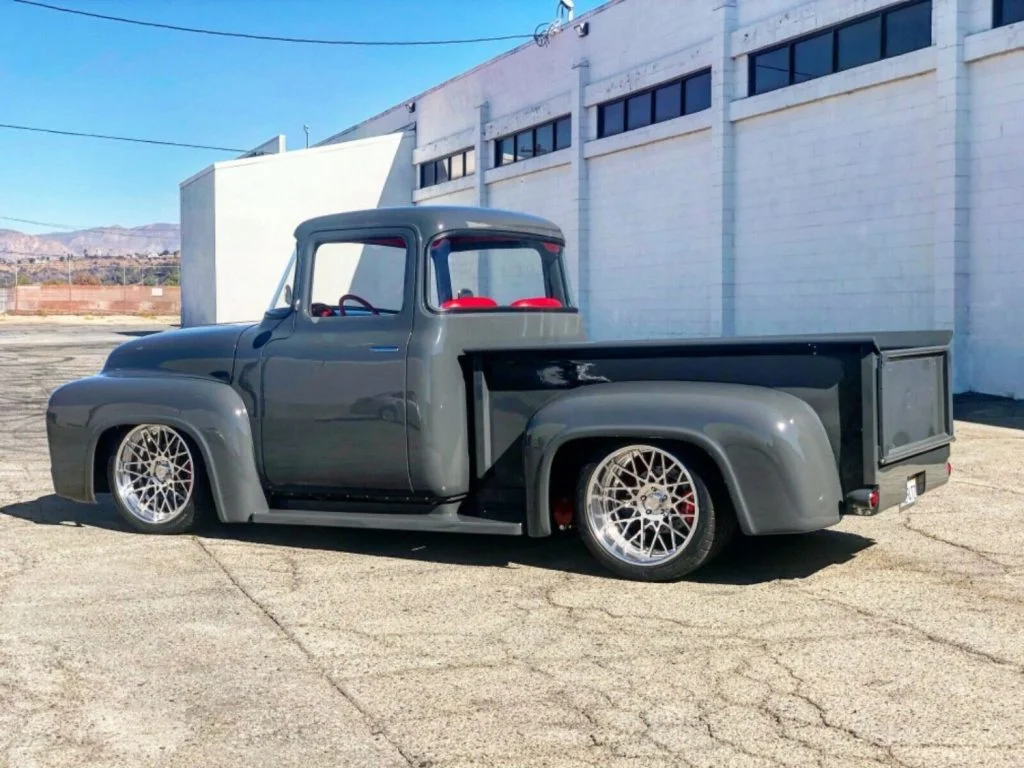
[
  {"x": 770, "y": 447},
  {"x": 210, "y": 412}
]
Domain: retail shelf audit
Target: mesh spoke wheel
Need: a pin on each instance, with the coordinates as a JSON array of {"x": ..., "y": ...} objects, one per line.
[
  {"x": 642, "y": 505},
  {"x": 154, "y": 474}
]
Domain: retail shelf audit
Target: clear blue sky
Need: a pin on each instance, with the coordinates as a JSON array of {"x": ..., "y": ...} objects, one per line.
[{"x": 67, "y": 72}]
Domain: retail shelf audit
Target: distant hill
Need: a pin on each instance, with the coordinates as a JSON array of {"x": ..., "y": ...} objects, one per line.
[{"x": 150, "y": 239}]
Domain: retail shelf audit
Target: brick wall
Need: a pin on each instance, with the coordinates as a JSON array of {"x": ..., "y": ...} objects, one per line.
[{"x": 95, "y": 299}]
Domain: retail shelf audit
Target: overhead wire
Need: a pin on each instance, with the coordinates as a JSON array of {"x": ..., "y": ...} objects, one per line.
[
  {"x": 270, "y": 38},
  {"x": 36, "y": 129}
]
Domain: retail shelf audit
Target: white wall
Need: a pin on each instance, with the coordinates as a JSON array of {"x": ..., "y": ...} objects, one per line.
[
  {"x": 260, "y": 201},
  {"x": 650, "y": 271},
  {"x": 996, "y": 292},
  {"x": 834, "y": 213},
  {"x": 198, "y": 244}
]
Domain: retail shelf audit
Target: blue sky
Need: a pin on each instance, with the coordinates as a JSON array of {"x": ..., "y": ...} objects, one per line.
[{"x": 72, "y": 73}]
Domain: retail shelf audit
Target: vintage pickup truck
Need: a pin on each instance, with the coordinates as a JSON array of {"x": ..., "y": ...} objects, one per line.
[{"x": 425, "y": 368}]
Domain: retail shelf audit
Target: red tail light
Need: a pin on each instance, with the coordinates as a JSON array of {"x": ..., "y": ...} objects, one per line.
[{"x": 873, "y": 499}]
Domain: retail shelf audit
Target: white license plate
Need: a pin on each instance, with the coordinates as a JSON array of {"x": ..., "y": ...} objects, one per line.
[{"x": 911, "y": 493}]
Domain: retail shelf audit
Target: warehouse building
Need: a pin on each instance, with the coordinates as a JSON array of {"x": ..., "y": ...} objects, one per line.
[{"x": 720, "y": 167}]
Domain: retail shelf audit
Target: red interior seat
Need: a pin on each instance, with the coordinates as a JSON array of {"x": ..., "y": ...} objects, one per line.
[
  {"x": 537, "y": 302},
  {"x": 470, "y": 302}
]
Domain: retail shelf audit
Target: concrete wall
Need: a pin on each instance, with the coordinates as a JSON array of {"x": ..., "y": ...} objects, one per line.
[
  {"x": 883, "y": 197},
  {"x": 256, "y": 205},
  {"x": 198, "y": 248}
]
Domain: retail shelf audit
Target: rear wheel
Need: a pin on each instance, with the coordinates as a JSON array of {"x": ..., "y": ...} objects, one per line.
[
  {"x": 647, "y": 515},
  {"x": 157, "y": 481}
]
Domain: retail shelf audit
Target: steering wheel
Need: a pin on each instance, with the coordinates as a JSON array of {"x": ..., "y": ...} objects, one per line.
[{"x": 360, "y": 299}]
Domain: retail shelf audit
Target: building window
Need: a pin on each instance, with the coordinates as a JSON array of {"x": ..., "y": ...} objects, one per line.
[
  {"x": 890, "y": 32},
  {"x": 1008, "y": 12},
  {"x": 664, "y": 101},
  {"x": 448, "y": 168},
  {"x": 533, "y": 142}
]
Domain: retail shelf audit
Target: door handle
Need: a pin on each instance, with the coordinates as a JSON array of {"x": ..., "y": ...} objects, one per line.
[{"x": 384, "y": 348}]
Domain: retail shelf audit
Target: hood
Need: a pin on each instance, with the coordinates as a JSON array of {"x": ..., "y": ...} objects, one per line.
[{"x": 207, "y": 351}]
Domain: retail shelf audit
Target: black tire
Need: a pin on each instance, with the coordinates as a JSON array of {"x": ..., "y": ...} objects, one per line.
[
  {"x": 194, "y": 515},
  {"x": 715, "y": 526}
]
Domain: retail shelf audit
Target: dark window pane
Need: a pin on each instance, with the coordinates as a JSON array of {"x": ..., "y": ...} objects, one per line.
[
  {"x": 1009, "y": 11},
  {"x": 524, "y": 145},
  {"x": 563, "y": 133},
  {"x": 638, "y": 111},
  {"x": 668, "y": 102},
  {"x": 458, "y": 167},
  {"x": 613, "y": 119},
  {"x": 470, "y": 161},
  {"x": 698, "y": 93},
  {"x": 860, "y": 43},
  {"x": 771, "y": 70},
  {"x": 506, "y": 151},
  {"x": 908, "y": 29},
  {"x": 812, "y": 58},
  {"x": 441, "y": 170},
  {"x": 545, "y": 139},
  {"x": 427, "y": 178}
]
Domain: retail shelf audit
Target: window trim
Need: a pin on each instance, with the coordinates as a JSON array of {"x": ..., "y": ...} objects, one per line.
[
  {"x": 446, "y": 161},
  {"x": 497, "y": 156},
  {"x": 833, "y": 31},
  {"x": 999, "y": 15},
  {"x": 625, "y": 98}
]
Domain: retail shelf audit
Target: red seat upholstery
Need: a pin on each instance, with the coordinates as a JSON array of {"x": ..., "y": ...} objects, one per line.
[
  {"x": 537, "y": 302},
  {"x": 470, "y": 302}
]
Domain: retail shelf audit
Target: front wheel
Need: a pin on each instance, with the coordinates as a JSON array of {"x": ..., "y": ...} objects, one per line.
[
  {"x": 156, "y": 478},
  {"x": 648, "y": 516}
]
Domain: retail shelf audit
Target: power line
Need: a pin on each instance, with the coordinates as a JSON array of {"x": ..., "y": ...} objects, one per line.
[
  {"x": 273, "y": 38},
  {"x": 123, "y": 231},
  {"x": 117, "y": 138}
]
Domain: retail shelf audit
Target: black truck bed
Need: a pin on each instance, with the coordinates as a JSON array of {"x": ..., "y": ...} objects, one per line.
[{"x": 883, "y": 398}]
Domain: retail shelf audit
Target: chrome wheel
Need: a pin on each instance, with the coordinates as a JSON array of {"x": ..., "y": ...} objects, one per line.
[
  {"x": 641, "y": 505},
  {"x": 154, "y": 474}
]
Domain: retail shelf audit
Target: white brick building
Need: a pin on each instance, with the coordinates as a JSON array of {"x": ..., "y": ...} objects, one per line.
[{"x": 834, "y": 165}]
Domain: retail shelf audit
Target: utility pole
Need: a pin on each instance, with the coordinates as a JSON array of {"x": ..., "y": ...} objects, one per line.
[{"x": 306, "y": 129}]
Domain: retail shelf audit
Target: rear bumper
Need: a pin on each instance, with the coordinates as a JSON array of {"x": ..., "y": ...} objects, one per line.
[{"x": 930, "y": 470}]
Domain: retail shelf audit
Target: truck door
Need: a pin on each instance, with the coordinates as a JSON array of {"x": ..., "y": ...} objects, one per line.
[{"x": 333, "y": 388}]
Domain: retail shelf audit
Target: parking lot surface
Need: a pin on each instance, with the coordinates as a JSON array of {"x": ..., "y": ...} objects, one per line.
[{"x": 889, "y": 641}]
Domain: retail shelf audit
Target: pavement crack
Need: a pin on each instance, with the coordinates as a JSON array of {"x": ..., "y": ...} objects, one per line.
[
  {"x": 986, "y": 555},
  {"x": 980, "y": 655},
  {"x": 376, "y": 728}
]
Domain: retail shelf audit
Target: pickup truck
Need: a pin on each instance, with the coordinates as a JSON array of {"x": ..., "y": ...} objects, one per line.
[{"x": 426, "y": 368}]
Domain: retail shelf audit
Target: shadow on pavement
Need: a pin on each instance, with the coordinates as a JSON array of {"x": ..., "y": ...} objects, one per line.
[
  {"x": 989, "y": 410},
  {"x": 746, "y": 561}
]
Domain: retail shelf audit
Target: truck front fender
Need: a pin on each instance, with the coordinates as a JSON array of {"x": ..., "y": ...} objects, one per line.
[
  {"x": 208, "y": 411},
  {"x": 770, "y": 447}
]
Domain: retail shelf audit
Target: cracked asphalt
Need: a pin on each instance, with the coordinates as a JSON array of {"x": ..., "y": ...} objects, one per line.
[{"x": 888, "y": 641}]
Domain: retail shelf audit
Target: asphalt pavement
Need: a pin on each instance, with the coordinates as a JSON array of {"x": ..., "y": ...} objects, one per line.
[{"x": 889, "y": 641}]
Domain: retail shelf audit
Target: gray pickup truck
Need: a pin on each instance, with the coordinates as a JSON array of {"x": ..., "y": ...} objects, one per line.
[{"x": 425, "y": 368}]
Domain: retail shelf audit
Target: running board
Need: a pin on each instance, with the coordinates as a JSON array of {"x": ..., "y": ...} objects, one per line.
[{"x": 443, "y": 520}]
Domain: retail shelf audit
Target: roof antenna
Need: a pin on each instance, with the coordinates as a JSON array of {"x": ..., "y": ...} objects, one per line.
[{"x": 564, "y": 13}]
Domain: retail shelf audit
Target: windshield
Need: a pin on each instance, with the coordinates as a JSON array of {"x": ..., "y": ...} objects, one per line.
[{"x": 471, "y": 271}]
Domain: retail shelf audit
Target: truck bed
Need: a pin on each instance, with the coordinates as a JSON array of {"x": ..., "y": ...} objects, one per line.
[{"x": 883, "y": 398}]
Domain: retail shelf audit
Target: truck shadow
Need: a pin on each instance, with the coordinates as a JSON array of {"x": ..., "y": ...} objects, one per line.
[{"x": 745, "y": 561}]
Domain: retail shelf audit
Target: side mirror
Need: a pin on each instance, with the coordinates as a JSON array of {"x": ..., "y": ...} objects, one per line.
[{"x": 288, "y": 295}]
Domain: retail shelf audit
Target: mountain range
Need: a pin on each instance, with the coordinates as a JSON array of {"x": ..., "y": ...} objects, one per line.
[{"x": 152, "y": 239}]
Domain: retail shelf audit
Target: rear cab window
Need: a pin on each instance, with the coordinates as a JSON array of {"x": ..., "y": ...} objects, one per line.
[{"x": 491, "y": 272}]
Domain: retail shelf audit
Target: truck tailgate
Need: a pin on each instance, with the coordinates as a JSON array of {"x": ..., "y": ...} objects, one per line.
[{"x": 915, "y": 404}]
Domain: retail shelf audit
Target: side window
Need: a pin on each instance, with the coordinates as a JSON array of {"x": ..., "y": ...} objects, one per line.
[{"x": 369, "y": 272}]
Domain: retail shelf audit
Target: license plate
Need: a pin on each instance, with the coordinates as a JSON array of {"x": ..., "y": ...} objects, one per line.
[{"x": 911, "y": 492}]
